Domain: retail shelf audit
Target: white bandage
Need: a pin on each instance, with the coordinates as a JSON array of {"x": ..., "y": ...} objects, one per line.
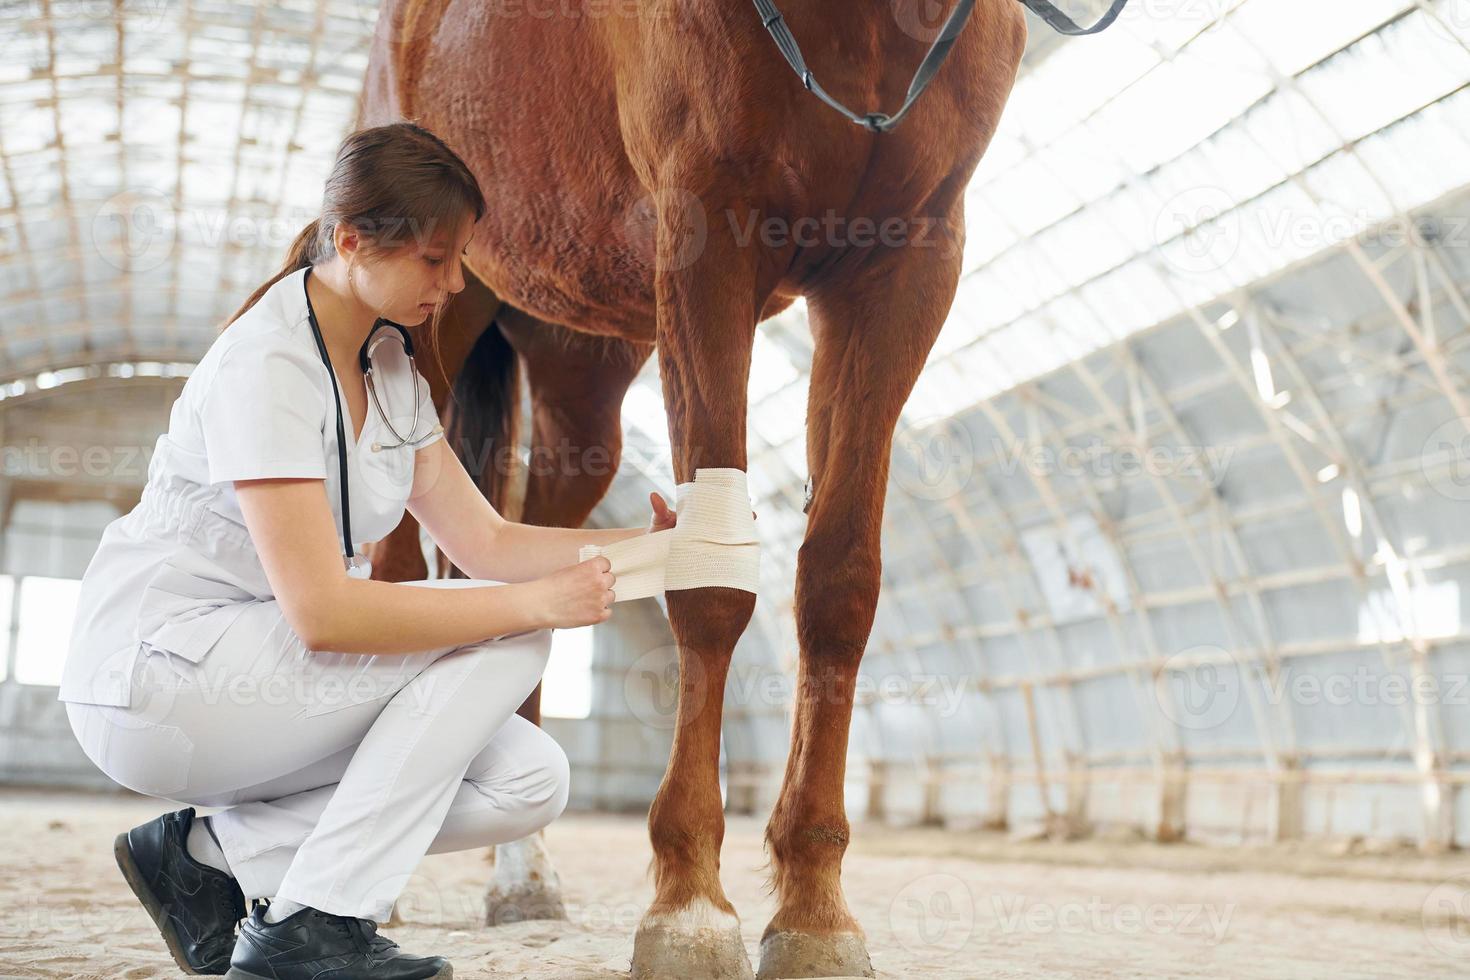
[{"x": 712, "y": 543}]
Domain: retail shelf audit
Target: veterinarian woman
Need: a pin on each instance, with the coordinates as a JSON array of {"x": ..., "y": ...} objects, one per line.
[{"x": 226, "y": 655}]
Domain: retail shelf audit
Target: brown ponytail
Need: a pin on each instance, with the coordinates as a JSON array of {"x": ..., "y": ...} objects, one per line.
[
  {"x": 390, "y": 183},
  {"x": 304, "y": 251}
]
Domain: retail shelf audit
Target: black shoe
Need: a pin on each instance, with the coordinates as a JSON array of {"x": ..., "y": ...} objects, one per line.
[
  {"x": 310, "y": 943},
  {"x": 194, "y": 906}
]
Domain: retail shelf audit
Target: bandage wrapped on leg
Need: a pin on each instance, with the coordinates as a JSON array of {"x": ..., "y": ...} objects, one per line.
[{"x": 713, "y": 543}]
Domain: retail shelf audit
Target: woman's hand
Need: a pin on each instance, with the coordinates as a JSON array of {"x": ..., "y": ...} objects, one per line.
[
  {"x": 663, "y": 516},
  {"x": 577, "y": 595}
]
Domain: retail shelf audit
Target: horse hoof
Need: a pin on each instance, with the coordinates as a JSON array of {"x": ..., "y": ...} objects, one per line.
[
  {"x": 786, "y": 954},
  {"x": 522, "y": 904},
  {"x": 699, "y": 941},
  {"x": 524, "y": 884}
]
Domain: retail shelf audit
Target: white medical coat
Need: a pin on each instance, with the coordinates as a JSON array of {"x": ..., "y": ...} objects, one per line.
[{"x": 178, "y": 569}]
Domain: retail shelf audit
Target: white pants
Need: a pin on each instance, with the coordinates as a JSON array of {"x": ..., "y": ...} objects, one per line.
[{"x": 339, "y": 770}]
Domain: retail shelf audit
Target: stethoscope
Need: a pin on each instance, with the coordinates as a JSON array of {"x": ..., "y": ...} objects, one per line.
[{"x": 365, "y": 361}]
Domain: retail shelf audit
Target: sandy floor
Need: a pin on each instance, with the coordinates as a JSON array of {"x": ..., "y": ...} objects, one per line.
[{"x": 934, "y": 904}]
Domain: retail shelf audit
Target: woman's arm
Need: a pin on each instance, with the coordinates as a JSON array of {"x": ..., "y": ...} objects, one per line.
[
  {"x": 476, "y": 538},
  {"x": 291, "y": 524}
]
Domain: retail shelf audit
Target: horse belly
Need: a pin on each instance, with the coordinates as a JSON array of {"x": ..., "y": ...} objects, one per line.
[{"x": 531, "y": 109}]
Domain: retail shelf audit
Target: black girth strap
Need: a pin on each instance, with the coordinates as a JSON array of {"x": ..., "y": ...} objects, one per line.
[{"x": 879, "y": 122}]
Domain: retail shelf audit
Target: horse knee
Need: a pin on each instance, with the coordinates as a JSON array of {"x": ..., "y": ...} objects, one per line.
[
  {"x": 709, "y": 618},
  {"x": 836, "y": 597}
]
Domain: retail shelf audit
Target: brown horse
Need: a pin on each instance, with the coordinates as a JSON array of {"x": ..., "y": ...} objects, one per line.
[{"x": 657, "y": 176}]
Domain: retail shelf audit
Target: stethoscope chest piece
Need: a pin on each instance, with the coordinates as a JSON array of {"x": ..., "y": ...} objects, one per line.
[{"x": 365, "y": 361}]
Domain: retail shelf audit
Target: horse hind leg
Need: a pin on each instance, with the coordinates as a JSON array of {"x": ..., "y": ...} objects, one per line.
[
  {"x": 577, "y": 383},
  {"x": 467, "y": 320}
]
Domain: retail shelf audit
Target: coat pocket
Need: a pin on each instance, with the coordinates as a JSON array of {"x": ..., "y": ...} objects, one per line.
[{"x": 185, "y": 612}]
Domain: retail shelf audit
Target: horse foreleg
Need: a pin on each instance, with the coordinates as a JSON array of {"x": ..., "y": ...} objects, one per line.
[
  {"x": 871, "y": 336},
  {"x": 577, "y": 384},
  {"x": 706, "y": 327}
]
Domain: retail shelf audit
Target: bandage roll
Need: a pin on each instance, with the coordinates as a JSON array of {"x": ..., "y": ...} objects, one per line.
[{"x": 713, "y": 544}]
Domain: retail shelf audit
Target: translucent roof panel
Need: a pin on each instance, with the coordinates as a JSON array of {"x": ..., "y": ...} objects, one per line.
[
  {"x": 154, "y": 162},
  {"x": 1252, "y": 145}
]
